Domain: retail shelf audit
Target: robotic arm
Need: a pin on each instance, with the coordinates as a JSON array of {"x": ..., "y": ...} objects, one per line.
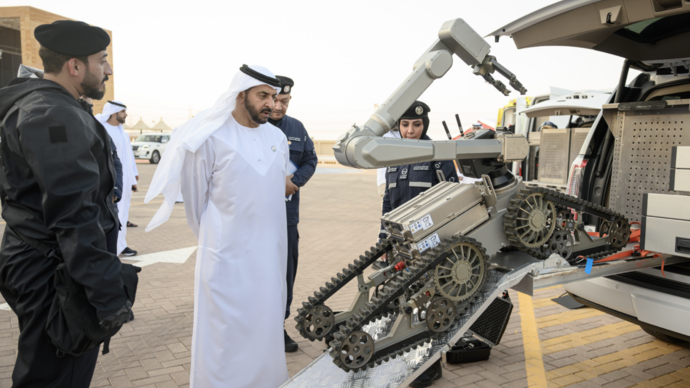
[{"x": 365, "y": 148}]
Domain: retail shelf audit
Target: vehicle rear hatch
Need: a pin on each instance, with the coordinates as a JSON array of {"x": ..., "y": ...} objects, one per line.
[
  {"x": 584, "y": 105},
  {"x": 639, "y": 30}
]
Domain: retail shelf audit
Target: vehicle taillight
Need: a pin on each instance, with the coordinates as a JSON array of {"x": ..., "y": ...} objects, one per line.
[{"x": 577, "y": 171}]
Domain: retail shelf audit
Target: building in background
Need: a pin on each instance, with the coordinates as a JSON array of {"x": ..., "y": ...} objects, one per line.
[{"x": 18, "y": 45}]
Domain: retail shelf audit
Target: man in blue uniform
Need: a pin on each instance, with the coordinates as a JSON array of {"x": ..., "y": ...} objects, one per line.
[
  {"x": 303, "y": 158},
  {"x": 408, "y": 181}
]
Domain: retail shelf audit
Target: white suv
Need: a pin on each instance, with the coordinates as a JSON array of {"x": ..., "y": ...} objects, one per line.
[
  {"x": 652, "y": 36},
  {"x": 150, "y": 147}
]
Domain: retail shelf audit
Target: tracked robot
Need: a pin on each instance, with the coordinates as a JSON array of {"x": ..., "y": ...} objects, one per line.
[{"x": 440, "y": 245}]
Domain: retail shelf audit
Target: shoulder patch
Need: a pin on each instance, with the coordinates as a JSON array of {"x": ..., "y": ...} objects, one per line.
[
  {"x": 421, "y": 168},
  {"x": 57, "y": 134}
]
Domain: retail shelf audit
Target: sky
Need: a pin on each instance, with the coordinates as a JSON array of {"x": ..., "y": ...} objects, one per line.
[{"x": 172, "y": 59}]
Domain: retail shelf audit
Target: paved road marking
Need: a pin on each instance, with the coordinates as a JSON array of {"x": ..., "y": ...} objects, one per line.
[
  {"x": 679, "y": 378},
  {"x": 534, "y": 364},
  {"x": 549, "y": 288},
  {"x": 4, "y": 306},
  {"x": 588, "y": 336},
  {"x": 566, "y": 317},
  {"x": 543, "y": 302},
  {"x": 598, "y": 366},
  {"x": 178, "y": 256}
]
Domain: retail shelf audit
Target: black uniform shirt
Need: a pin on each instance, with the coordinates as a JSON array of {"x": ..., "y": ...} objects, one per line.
[
  {"x": 303, "y": 155},
  {"x": 56, "y": 183}
]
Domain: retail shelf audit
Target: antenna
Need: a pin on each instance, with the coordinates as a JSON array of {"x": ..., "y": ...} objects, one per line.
[
  {"x": 457, "y": 118},
  {"x": 447, "y": 131}
]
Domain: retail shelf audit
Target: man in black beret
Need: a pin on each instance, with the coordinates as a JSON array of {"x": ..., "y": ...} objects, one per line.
[
  {"x": 56, "y": 184},
  {"x": 303, "y": 161}
]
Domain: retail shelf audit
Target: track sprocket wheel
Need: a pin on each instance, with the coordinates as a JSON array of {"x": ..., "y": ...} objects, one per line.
[
  {"x": 463, "y": 272},
  {"x": 562, "y": 243},
  {"x": 356, "y": 350},
  {"x": 618, "y": 233},
  {"x": 440, "y": 314},
  {"x": 535, "y": 220},
  {"x": 565, "y": 220},
  {"x": 318, "y": 321}
]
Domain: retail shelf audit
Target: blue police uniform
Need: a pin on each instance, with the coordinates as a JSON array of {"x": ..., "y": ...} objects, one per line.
[
  {"x": 409, "y": 180},
  {"x": 303, "y": 155}
]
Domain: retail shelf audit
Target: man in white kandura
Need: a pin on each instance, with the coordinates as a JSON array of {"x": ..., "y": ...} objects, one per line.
[
  {"x": 112, "y": 118},
  {"x": 232, "y": 167}
]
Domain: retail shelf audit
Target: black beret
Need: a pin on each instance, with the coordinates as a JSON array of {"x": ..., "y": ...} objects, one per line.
[
  {"x": 72, "y": 38},
  {"x": 286, "y": 84},
  {"x": 416, "y": 111}
]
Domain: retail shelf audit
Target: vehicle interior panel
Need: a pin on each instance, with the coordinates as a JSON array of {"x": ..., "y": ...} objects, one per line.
[
  {"x": 642, "y": 155},
  {"x": 554, "y": 155}
]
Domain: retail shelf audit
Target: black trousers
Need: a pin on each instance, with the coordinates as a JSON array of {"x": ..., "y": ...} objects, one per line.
[
  {"x": 111, "y": 240},
  {"x": 293, "y": 254},
  {"x": 26, "y": 283}
]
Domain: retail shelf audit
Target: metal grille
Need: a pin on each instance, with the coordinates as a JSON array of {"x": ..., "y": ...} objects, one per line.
[
  {"x": 577, "y": 138},
  {"x": 553, "y": 155},
  {"x": 642, "y": 155},
  {"x": 493, "y": 322}
]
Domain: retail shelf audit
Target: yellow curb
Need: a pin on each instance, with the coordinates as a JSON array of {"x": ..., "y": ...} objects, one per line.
[
  {"x": 534, "y": 363},
  {"x": 566, "y": 317}
]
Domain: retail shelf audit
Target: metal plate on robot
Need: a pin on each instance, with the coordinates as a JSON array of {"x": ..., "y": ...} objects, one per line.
[
  {"x": 402, "y": 370},
  {"x": 402, "y": 213},
  {"x": 423, "y": 215},
  {"x": 461, "y": 225}
]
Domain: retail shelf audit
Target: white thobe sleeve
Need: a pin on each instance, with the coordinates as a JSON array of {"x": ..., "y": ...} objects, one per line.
[
  {"x": 286, "y": 147},
  {"x": 197, "y": 170},
  {"x": 128, "y": 142}
]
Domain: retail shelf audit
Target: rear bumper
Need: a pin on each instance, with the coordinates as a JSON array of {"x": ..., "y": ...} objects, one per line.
[
  {"x": 636, "y": 302},
  {"x": 630, "y": 318}
]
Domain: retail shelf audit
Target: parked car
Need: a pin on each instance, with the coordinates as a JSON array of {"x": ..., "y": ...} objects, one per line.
[
  {"x": 652, "y": 37},
  {"x": 150, "y": 147}
]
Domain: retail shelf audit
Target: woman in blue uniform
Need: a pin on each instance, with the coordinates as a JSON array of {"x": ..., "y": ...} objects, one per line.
[{"x": 409, "y": 180}]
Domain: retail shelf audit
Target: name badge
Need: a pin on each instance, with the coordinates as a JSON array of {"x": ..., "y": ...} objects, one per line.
[
  {"x": 392, "y": 169},
  {"x": 421, "y": 168},
  {"x": 294, "y": 139}
]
